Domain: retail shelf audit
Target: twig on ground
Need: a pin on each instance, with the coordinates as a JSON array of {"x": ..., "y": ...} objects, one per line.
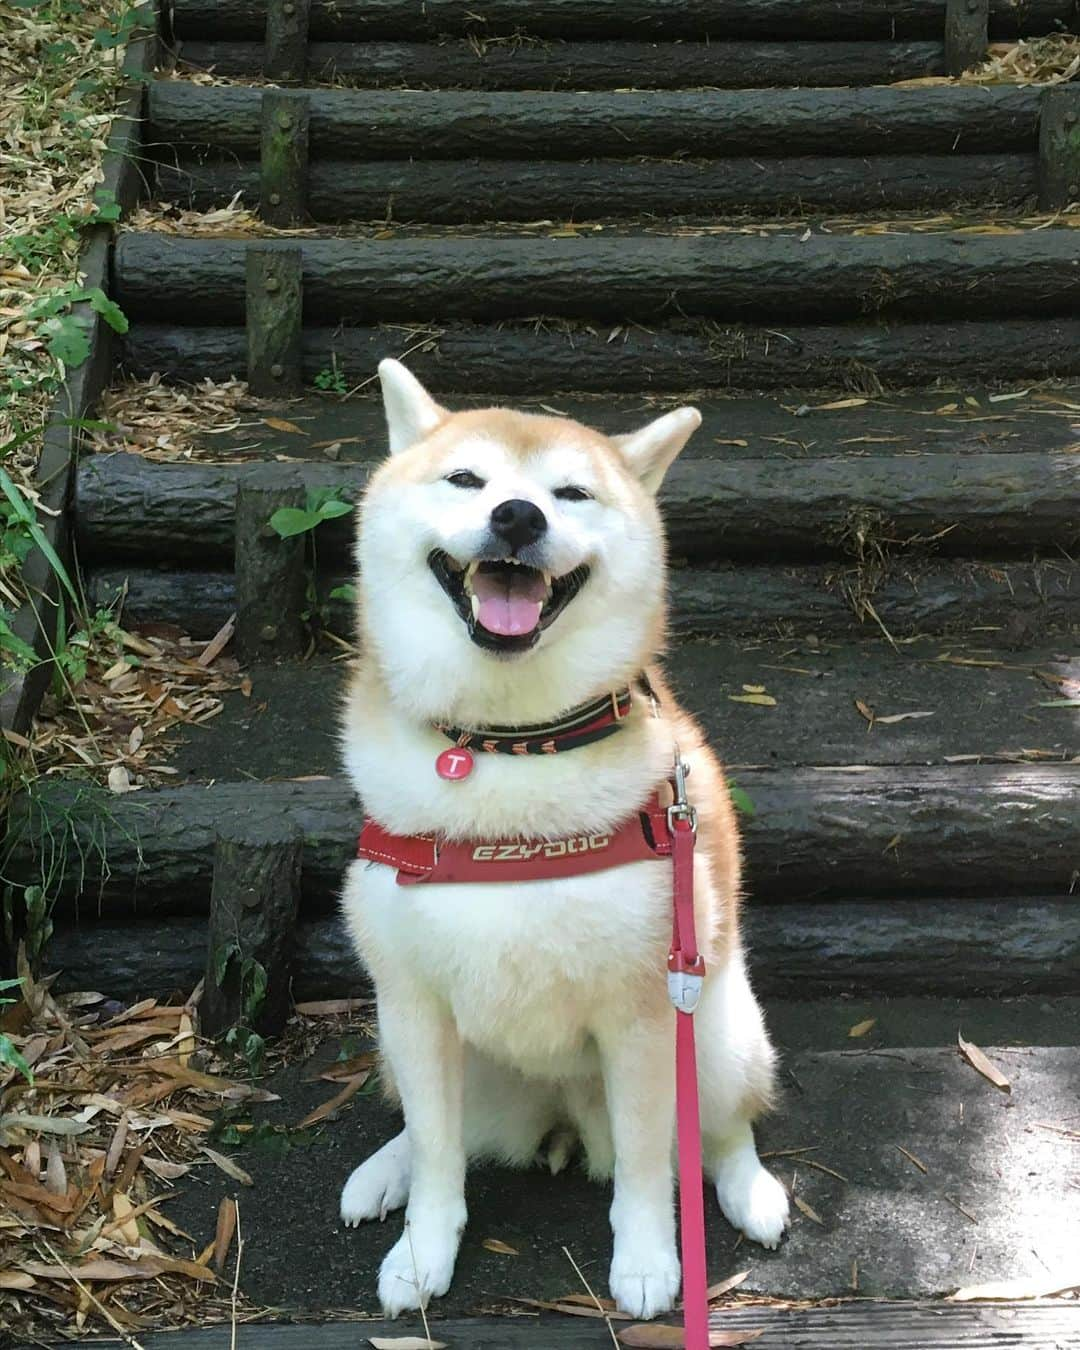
[
  {"x": 599, "y": 1306},
  {"x": 416, "y": 1277},
  {"x": 236, "y": 1278},
  {"x": 91, "y": 1297}
]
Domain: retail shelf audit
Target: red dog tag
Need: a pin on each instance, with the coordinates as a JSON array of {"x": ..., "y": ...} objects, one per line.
[{"x": 454, "y": 763}]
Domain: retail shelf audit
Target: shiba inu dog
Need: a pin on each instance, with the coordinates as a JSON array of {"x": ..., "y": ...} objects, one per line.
[{"x": 512, "y": 571}]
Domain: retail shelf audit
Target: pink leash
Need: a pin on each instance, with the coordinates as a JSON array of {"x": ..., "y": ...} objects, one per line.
[{"x": 686, "y": 974}]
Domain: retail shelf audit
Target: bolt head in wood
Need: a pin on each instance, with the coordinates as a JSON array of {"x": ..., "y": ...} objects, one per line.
[
  {"x": 275, "y": 199},
  {"x": 277, "y": 371},
  {"x": 1070, "y": 119},
  {"x": 288, "y": 9},
  {"x": 1074, "y": 189},
  {"x": 972, "y": 6},
  {"x": 284, "y": 121},
  {"x": 268, "y": 532},
  {"x": 268, "y": 632},
  {"x": 272, "y": 284}
]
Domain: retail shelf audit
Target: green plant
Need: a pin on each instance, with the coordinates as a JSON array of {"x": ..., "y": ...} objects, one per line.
[
  {"x": 322, "y": 504},
  {"x": 331, "y": 380},
  {"x": 67, "y": 335},
  {"x": 10, "y": 1056},
  {"x": 346, "y": 592},
  {"x": 242, "y": 1039},
  {"x": 741, "y": 799}
]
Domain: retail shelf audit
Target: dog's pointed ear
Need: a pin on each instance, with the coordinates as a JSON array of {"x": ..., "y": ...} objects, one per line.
[
  {"x": 650, "y": 451},
  {"x": 411, "y": 412}
]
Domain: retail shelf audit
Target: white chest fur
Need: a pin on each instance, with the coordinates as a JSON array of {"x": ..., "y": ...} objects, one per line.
[{"x": 527, "y": 967}]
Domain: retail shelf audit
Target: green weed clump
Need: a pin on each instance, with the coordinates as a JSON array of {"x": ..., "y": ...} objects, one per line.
[{"x": 60, "y": 86}]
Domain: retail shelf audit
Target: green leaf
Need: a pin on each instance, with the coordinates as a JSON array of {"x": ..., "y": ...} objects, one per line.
[
  {"x": 9, "y": 1054},
  {"x": 25, "y": 511},
  {"x": 67, "y": 339},
  {"x": 332, "y": 509},
  {"x": 16, "y": 652},
  {"x": 741, "y": 800},
  {"x": 346, "y": 592},
  {"x": 290, "y": 520},
  {"x": 1061, "y": 703},
  {"x": 222, "y": 957},
  {"x": 109, "y": 310}
]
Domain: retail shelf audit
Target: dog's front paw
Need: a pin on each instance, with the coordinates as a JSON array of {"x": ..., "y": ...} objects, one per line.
[
  {"x": 644, "y": 1278},
  {"x": 378, "y": 1185},
  {"x": 755, "y": 1202},
  {"x": 420, "y": 1265}
]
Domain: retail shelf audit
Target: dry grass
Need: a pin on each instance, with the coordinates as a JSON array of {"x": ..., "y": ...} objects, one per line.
[
  {"x": 171, "y": 422},
  {"x": 237, "y": 221},
  {"x": 59, "y": 89},
  {"x": 112, "y": 1112},
  {"x": 1044, "y": 60},
  {"x": 111, "y": 722}
]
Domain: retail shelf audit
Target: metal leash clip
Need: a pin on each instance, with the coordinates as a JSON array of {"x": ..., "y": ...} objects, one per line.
[
  {"x": 685, "y": 976},
  {"x": 680, "y": 808}
]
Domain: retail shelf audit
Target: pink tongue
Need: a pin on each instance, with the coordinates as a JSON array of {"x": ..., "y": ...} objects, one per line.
[{"x": 510, "y": 605}]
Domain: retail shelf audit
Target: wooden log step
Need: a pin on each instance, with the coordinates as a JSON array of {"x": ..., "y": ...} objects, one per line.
[
  {"x": 850, "y": 1326},
  {"x": 784, "y": 278},
  {"x": 946, "y": 948},
  {"x": 642, "y": 19},
  {"x": 902, "y": 831},
  {"x": 458, "y": 192},
  {"x": 753, "y": 509},
  {"x": 791, "y": 424},
  {"x": 919, "y": 596},
  {"x": 527, "y": 359},
  {"x": 347, "y": 124},
  {"x": 461, "y": 64}
]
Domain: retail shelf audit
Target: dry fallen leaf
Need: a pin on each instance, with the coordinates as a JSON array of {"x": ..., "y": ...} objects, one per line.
[
  {"x": 981, "y": 1064},
  {"x": 715, "y": 1291},
  {"x": 280, "y": 424},
  {"x": 226, "y": 1229},
  {"x": 227, "y": 1165},
  {"x": 916, "y": 1162},
  {"x": 840, "y": 403},
  {"x": 900, "y": 717},
  {"x": 405, "y": 1343},
  {"x": 761, "y": 700},
  {"x": 119, "y": 780},
  {"x": 651, "y": 1336},
  {"x": 1035, "y": 1286},
  {"x": 332, "y": 1007},
  {"x": 502, "y": 1248},
  {"x": 720, "y": 440},
  {"x": 861, "y": 1028},
  {"x": 808, "y": 1210},
  {"x": 351, "y": 1088},
  {"x": 866, "y": 710},
  {"x": 16, "y": 1279}
]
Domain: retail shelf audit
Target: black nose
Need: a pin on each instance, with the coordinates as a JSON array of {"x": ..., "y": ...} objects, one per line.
[{"x": 518, "y": 522}]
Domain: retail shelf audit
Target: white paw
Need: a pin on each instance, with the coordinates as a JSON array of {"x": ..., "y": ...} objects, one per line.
[
  {"x": 378, "y": 1185},
  {"x": 644, "y": 1281},
  {"x": 755, "y": 1202},
  {"x": 419, "y": 1266}
]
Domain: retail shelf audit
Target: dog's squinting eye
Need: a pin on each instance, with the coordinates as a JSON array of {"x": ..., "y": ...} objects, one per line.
[
  {"x": 572, "y": 494},
  {"x": 464, "y": 478}
]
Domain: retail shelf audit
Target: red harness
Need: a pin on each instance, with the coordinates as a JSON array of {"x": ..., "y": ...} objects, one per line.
[
  {"x": 420, "y": 858},
  {"x": 655, "y": 831}
]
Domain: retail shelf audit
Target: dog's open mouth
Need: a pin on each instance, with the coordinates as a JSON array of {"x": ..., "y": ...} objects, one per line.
[{"x": 505, "y": 605}]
